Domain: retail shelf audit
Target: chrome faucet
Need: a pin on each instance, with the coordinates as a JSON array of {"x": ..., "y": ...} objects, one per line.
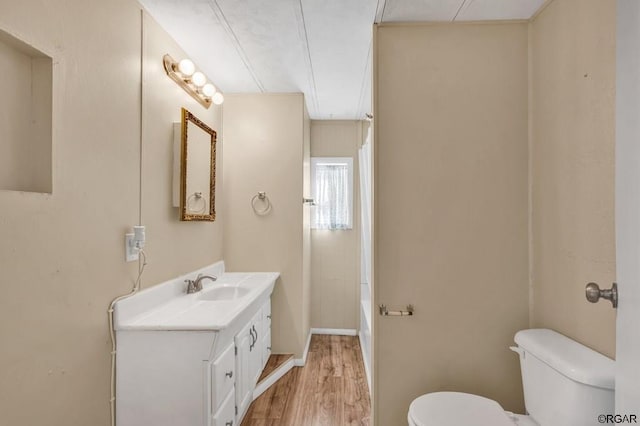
[{"x": 194, "y": 286}]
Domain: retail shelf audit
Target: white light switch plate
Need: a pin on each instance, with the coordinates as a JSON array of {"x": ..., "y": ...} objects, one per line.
[{"x": 131, "y": 253}]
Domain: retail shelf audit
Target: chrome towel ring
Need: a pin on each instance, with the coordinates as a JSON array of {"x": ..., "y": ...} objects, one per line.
[
  {"x": 261, "y": 196},
  {"x": 194, "y": 199}
]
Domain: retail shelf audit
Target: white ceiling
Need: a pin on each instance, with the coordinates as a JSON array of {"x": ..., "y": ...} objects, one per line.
[{"x": 319, "y": 47}]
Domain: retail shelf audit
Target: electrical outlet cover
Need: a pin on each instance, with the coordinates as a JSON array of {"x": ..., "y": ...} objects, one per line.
[{"x": 131, "y": 253}]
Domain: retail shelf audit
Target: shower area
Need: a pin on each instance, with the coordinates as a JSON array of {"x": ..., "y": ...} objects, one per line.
[{"x": 364, "y": 161}]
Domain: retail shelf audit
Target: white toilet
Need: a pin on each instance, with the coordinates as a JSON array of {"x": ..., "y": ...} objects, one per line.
[{"x": 565, "y": 384}]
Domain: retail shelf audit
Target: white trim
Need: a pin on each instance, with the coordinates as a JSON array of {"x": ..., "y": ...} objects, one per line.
[
  {"x": 380, "y": 11},
  {"x": 273, "y": 377},
  {"x": 365, "y": 361},
  {"x": 335, "y": 331},
  {"x": 300, "y": 362}
]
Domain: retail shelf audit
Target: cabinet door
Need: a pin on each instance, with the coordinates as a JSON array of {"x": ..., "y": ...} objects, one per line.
[
  {"x": 225, "y": 416},
  {"x": 266, "y": 317},
  {"x": 255, "y": 355},
  {"x": 266, "y": 348},
  {"x": 244, "y": 384},
  {"x": 222, "y": 376},
  {"x": 266, "y": 332}
]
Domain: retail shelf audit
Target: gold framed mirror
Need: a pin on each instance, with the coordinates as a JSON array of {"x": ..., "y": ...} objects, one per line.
[{"x": 197, "y": 170}]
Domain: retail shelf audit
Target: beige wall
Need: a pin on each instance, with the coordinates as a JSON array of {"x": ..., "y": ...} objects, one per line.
[
  {"x": 572, "y": 151},
  {"x": 335, "y": 255},
  {"x": 451, "y": 218},
  {"x": 62, "y": 254},
  {"x": 174, "y": 247},
  {"x": 264, "y": 138}
]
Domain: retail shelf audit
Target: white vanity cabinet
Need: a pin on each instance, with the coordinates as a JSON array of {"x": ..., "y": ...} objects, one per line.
[
  {"x": 164, "y": 378},
  {"x": 191, "y": 359}
]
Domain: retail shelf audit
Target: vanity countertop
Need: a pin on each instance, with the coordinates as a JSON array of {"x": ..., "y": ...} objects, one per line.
[{"x": 168, "y": 307}]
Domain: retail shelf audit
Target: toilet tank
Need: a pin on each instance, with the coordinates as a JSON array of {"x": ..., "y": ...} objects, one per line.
[{"x": 565, "y": 383}]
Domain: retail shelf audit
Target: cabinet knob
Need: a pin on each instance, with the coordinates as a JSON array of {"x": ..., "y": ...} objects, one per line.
[
  {"x": 268, "y": 348},
  {"x": 229, "y": 423},
  {"x": 229, "y": 374},
  {"x": 269, "y": 316}
]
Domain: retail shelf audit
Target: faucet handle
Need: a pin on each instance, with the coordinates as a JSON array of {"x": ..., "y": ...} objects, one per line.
[{"x": 191, "y": 286}]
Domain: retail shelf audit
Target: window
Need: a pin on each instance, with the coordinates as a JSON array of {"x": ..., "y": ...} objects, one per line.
[{"x": 332, "y": 191}]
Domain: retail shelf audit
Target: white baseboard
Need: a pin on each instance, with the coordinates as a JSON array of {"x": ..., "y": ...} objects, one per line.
[
  {"x": 273, "y": 377},
  {"x": 300, "y": 362},
  {"x": 335, "y": 331},
  {"x": 365, "y": 361}
]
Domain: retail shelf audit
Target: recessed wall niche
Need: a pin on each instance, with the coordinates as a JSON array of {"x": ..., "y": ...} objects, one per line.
[{"x": 25, "y": 117}]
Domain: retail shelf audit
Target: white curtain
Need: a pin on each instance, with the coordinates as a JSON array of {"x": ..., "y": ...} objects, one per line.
[{"x": 332, "y": 197}]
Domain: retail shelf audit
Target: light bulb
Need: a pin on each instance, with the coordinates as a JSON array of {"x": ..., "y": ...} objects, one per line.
[
  {"x": 198, "y": 79},
  {"x": 186, "y": 67},
  {"x": 208, "y": 90},
  {"x": 217, "y": 98}
]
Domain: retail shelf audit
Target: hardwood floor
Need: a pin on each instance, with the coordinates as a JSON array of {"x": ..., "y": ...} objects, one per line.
[{"x": 330, "y": 390}]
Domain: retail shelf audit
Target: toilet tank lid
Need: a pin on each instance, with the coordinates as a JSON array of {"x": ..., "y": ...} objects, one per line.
[{"x": 568, "y": 357}]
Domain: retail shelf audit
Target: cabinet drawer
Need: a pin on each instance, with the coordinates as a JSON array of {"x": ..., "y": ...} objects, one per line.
[
  {"x": 223, "y": 376},
  {"x": 266, "y": 317},
  {"x": 226, "y": 414}
]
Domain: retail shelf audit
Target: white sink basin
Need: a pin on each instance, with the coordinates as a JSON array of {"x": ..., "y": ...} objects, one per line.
[{"x": 224, "y": 293}]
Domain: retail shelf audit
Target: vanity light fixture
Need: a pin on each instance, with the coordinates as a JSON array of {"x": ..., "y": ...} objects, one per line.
[
  {"x": 198, "y": 79},
  {"x": 217, "y": 98},
  {"x": 193, "y": 82},
  {"x": 208, "y": 89}
]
